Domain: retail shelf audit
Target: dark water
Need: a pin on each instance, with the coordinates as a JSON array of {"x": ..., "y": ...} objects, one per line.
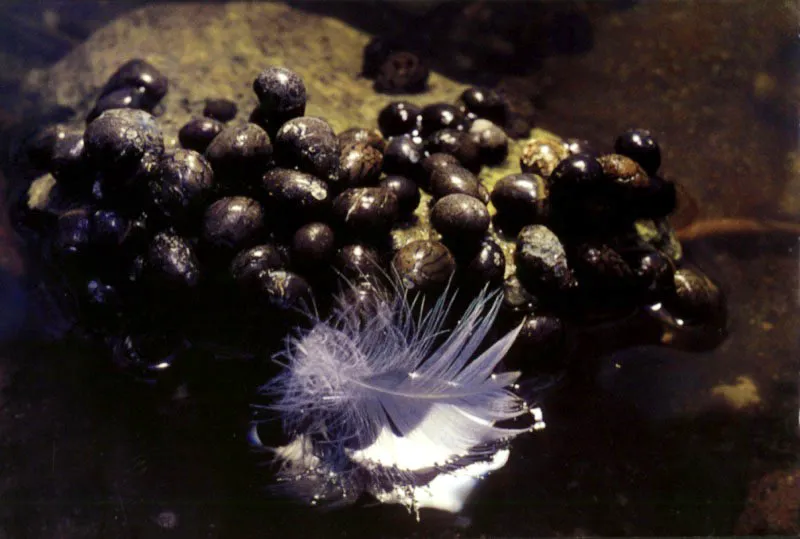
[{"x": 642, "y": 441}]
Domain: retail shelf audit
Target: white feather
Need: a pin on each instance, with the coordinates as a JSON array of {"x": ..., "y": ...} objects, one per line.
[{"x": 372, "y": 392}]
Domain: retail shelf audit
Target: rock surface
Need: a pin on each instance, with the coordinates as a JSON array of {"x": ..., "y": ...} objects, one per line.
[{"x": 236, "y": 45}]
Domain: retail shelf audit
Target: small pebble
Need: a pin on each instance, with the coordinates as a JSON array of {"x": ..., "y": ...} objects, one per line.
[
  {"x": 171, "y": 262},
  {"x": 575, "y": 146},
  {"x": 516, "y": 298},
  {"x": 403, "y": 156},
  {"x": 118, "y": 140},
  {"x": 459, "y": 144},
  {"x": 375, "y": 54},
  {"x": 483, "y": 194},
  {"x": 582, "y": 198},
  {"x": 460, "y": 218},
  {"x": 101, "y": 304},
  {"x": 73, "y": 232},
  {"x": 295, "y": 195},
  {"x": 198, "y": 133},
  {"x": 453, "y": 179},
  {"x": 313, "y": 247},
  {"x": 121, "y": 98},
  {"x": 366, "y": 211},
  {"x": 233, "y": 223},
  {"x": 69, "y": 164},
  {"x": 434, "y": 162},
  {"x": 357, "y": 261},
  {"x": 147, "y": 355},
  {"x": 424, "y": 265},
  {"x": 239, "y": 155},
  {"x": 371, "y": 137},
  {"x": 696, "y": 300},
  {"x": 223, "y": 110},
  {"x": 402, "y": 72},
  {"x": 541, "y": 261},
  {"x": 485, "y": 103},
  {"x": 601, "y": 268},
  {"x": 541, "y": 156},
  {"x": 109, "y": 229},
  {"x": 138, "y": 73},
  {"x": 440, "y": 116},
  {"x": 282, "y": 95},
  {"x": 181, "y": 189},
  {"x": 521, "y": 198},
  {"x": 359, "y": 165},
  {"x": 491, "y": 140},
  {"x": 249, "y": 263},
  {"x": 483, "y": 267},
  {"x": 654, "y": 272},
  {"x": 629, "y": 183},
  {"x": 399, "y": 118},
  {"x": 576, "y": 175},
  {"x": 406, "y": 191},
  {"x": 283, "y": 289},
  {"x": 39, "y": 148},
  {"x": 642, "y": 147},
  {"x": 309, "y": 144}
]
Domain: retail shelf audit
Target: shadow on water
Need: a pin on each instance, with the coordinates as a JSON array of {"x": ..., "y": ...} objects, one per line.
[{"x": 89, "y": 454}]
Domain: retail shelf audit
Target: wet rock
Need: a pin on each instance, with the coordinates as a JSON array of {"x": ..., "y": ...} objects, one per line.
[
  {"x": 521, "y": 198},
  {"x": 359, "y": 165},
  {"x": 485, "y": 103},
  {"x": 406, "y": 191},
  {"x": 295, "y": 195},
  {"x": 366, "y": 211},
  {"x": 491, "y": 140},
  {"x": 281, "y": 93},
  {"x": 233, "y": 223},
  {"x": 541, "y": 156},
  {"x": 198, "y": 133},
  {"x": 482, "y": 267},
  {"x": 402, "y": 72},
  {"x": 357, "y": 261},
  {"x": 249, "y": 263},
  {"x": 171, "y": 262},
  {"x": 541, "y": 261},
  {"x": 313, "y": 247},
  {"x": 370, "y": 137},
  {"x": 403, "y": 156},
  {"x": 399, "y": 118},
  {"x": 454, "y": 179},
  {"x": 138, "y": 74},
  {"x": 118, "y": 140},
  {"x": 460, "y": 219},
  {"x": 459, "y": 144},
  {"x": 283, "y": 289},
  {"x": 697, "y": 299},
  {"x": 222, "y": 110},
  {"x": 182, "y": 187},
  {"x": 239, "y": 155},
  {"x": 424, "y": 265},
  {"x": 310, "y": 144}
]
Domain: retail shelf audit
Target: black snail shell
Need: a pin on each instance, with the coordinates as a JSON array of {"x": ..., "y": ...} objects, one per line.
[{"x": 424, "y": 265}]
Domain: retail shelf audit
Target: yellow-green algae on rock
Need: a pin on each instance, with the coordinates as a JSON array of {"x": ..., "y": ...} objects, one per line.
[{"x": 212, "y": 50}]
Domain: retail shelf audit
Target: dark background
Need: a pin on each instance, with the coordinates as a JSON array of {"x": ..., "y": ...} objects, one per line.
[{"x": 641, "y": 445}]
